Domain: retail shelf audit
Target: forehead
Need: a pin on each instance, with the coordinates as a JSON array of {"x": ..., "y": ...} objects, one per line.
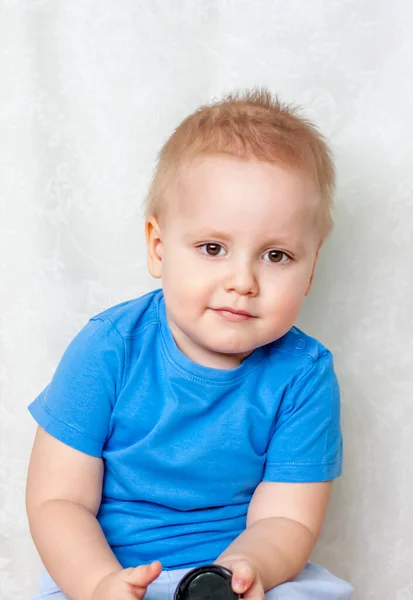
[{"x": 223, "y": 191}]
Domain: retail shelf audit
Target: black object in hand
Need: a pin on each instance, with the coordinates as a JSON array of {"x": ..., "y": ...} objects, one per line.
[{"x": 211, "y": 582}]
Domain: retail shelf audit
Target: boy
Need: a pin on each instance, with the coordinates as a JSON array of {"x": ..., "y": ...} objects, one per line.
[{"x": 197, "y": 424}]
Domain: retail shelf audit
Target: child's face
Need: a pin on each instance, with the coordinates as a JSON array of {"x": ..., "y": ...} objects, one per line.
[{"x": 236, "y": 252}]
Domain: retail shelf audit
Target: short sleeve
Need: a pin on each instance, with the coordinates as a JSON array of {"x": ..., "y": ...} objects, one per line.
[
  {"x": 77, "y": 404},
  {"x": 306, "y": 445}
]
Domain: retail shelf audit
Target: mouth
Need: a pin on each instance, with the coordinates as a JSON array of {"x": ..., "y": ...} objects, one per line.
[{"x": 230, "y": 314}]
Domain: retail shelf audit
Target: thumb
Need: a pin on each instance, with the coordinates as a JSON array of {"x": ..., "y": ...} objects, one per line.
[
  {"x": 143, "y": 575},
  {"x": 243, "y": 576}
]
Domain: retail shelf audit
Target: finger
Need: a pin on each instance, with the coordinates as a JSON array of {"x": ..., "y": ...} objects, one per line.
[
  {"x": 143, "y": 575},
  {"x": 253, "y": 594},
  {"x": 243, "y": 576}
]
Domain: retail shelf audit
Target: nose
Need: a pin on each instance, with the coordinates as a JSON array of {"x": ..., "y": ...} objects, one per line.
[{"x": 242, "y": 280}]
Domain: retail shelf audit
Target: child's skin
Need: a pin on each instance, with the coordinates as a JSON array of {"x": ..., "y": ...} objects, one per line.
[
  {"x": 247, "y": 209},
  {"x": 238, "y": 235}
]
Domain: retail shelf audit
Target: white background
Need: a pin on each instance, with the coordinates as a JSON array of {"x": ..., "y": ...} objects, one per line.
[{"x": 89, "y": 90}]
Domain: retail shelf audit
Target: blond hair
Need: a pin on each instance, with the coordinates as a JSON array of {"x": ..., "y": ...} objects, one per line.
[{"x": 248, "y": 125}]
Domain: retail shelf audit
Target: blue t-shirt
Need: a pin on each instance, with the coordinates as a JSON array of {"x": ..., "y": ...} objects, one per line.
[{"x": 184, "y": 446}]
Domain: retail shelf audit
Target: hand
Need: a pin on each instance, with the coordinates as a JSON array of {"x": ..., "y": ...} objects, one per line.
[
  {"x": 127, "y": 584},
  {"x": 246, "y": 579}
]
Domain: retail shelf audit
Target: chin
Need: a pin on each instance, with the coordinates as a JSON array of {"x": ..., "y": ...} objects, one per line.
[{"x": 231, "y": 349}]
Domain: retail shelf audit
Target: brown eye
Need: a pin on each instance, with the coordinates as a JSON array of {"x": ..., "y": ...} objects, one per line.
[
  {"x": 276, "y": 256},
  {"x": 212, "y": 249}
]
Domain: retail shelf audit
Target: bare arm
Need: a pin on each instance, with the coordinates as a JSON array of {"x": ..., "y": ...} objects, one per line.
[
  {"x": 283, "y": 524},
  {"x": 63, "y": 496}
]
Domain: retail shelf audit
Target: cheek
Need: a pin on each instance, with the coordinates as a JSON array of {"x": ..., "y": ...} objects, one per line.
[
  {"x": 184, "y": 279},
  {"x": 282, "y": 313},
  {"x": 286, "y": 293},
  {"x": 187, "y": 267},
  {"x": 287, "y": 304}
]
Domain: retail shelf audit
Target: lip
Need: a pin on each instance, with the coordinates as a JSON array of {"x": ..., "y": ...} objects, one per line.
[{"x": 230, "y": 314}]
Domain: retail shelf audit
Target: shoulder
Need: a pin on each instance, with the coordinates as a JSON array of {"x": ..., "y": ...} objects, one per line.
[
  {"x": 297, "y": 345},
  {"x": 297, "y": 354},
  {"x": 132, "y": 317}
]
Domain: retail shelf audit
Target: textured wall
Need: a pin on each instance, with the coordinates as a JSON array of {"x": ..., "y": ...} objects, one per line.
[{"x": 89, "y": 89}]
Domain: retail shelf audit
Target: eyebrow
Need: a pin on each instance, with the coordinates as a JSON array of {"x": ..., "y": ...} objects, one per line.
[
  {"x": 270, "y": 242},
  {"x": 208, "y": 234}
]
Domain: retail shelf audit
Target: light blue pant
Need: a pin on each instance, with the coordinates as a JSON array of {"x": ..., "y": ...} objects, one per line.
[{"x": 313, "y": 583}]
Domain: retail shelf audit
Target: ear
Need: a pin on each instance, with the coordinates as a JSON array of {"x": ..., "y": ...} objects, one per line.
[
  {"x": 310, "y": 283},
  {"x": 154, "y": 247}
]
